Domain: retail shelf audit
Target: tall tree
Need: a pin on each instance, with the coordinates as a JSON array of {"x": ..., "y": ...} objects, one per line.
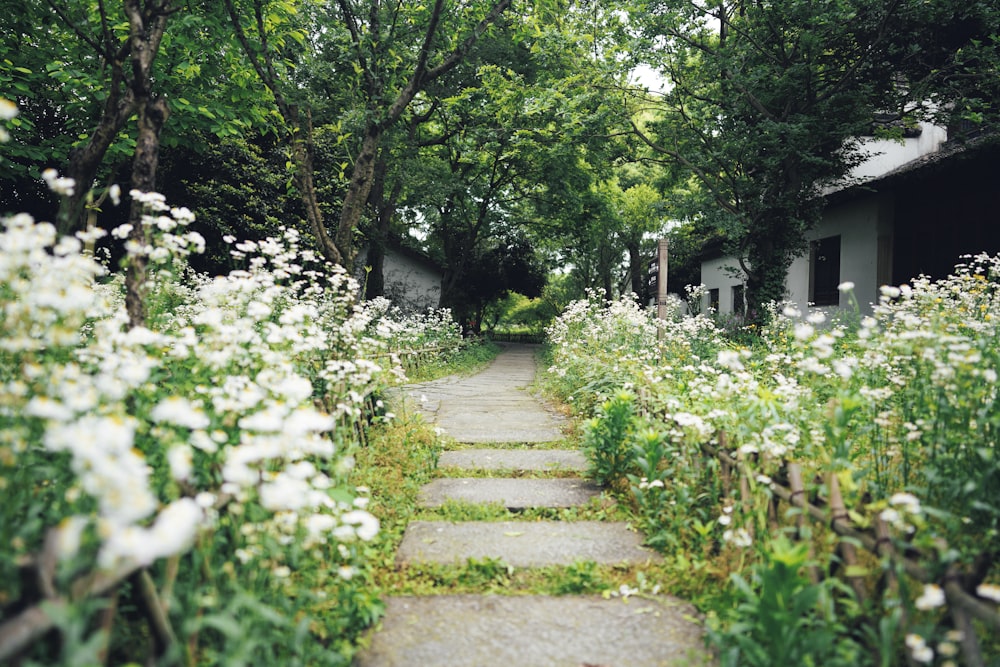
[
  {"x": 764, "y": 107},
  {"x": 76, "y": 73},
  {"x": 396, "y": 51}
]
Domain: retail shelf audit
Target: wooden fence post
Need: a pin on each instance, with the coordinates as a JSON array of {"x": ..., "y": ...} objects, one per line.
[{"x": 662, "y": 258}]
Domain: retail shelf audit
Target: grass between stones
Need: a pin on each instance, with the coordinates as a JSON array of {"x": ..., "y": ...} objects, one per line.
[
  {"x": 401, "y": 456},
  {"x": 566, "y": 443}
]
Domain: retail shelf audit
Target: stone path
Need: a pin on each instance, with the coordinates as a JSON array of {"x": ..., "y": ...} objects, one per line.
[{"x": 520, "y": 630}]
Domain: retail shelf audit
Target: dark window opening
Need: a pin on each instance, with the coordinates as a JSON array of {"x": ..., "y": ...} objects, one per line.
[
  {"x": 824, "y": 272},
  {"x": 713, "y": 299}
]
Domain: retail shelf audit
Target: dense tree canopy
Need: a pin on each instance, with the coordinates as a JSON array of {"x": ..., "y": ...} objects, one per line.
[
  {"x": 766, "y": 102},
  {"x": 483, "y": 125}
]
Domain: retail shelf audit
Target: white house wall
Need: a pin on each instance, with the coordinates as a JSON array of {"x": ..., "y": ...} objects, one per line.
[
  {"x": 884, "y": 155},
  {"x": 721, "y": 274},
  {"x": 859, "y": 223},
  {"x": 412, "y": 285}
]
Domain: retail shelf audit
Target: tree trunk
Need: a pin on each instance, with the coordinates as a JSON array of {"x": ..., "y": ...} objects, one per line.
[
  {"x": 384, "y": 208},
  {"x": 766, "y": 269},
  {"x": 85, "y": 161},
  {"x": 152, "y": 115},
  {"x": 357, "y": 195},
  {"x": 637, "y": 272},
  {"x": 302, "y": 156},
  {"x": 147, "y": 23}
]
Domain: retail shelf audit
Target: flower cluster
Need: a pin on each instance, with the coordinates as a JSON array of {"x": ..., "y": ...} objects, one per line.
[
  {"x": 898, "y": 404},
  {"x": 235, "y": 408}
]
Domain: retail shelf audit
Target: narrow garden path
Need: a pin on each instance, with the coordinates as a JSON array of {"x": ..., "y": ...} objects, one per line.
[{"x": 524, "y": 470}]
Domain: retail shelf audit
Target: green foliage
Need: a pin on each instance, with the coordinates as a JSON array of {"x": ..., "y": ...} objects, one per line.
[
  {"x": 782, "y": 618},
  {"x": 608, "y": 440},
  {"x": 238, "y": 188},
  {"x": 579, "y": 578},
  {"x": 897, "y": 407}
]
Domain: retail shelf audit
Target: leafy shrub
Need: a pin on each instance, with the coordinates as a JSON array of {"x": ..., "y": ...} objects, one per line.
[
  {"x": 608, "y": 440},
  {"x": 190, "y": 454}
]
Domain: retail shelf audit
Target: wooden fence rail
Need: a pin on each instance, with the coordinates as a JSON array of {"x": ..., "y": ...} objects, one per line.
[{"x": 957, "y": 586}]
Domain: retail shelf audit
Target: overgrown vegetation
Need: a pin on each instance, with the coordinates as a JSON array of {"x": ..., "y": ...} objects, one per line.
[
  {"x": 195, "y": 471},
  {"x": 883, "y": 425}
]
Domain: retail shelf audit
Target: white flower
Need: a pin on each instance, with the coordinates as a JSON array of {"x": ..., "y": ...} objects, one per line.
[
  {"x": 173, "y": 532},
  {"x": 730, "y": 359},
  {"x": 181, "y": 462},
  {"x": 366, "y": 525},
  {"x": 725, "y": 519},
  {"x": 625, "y": 590},
  {"x": 907, "y": 501},
  {"x": 70, "y": 533},
  {"x": 845, "y": 286},
  {"x": 989, "y": 592},
  {"x": 947, "y": 649},
  {"x": 919, "y": 650},
  {"x": 739, "y": 537},
  {"x": 115, "y": 193},
  {"x": 791, "y": 312},
  {"x": 58, "y": 184},
  {"x": 268, "y": 420},
  {"x": 890, "y": 516},
  {"x": 7, "y": 109},
  {"x": 816, "y": 317},
  {"x": 346, "y": 572},
  {"x": 889, "y": 292},
  {"x": 181, "y": 412},
  {"x": 46, "y": 408},
  {"x": 121, "y": 231},
  {"x": 931, "y": 598}
]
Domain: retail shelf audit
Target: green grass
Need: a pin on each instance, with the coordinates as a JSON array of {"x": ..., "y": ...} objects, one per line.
[{"x": 469, "y": 359}]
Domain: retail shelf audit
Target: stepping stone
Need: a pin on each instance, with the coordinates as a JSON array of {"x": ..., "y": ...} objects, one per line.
[
  {"x": 493, "y": 406},
  {"x": 522, "y": 543},
  {"x": 535, "y": 631},
  {"x": 514, "y": 494},
  {"x": 511, "y": 424},
  {"x": 514, "y": 459}
]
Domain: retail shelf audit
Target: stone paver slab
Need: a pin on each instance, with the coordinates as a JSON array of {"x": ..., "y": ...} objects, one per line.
[
  {"x": 492, "y": 406},
  {"x": 514, "y": 459},
  {"x": 514, "y": 494},
  {"x": 535, "y": 631},
  {"x": 523, "y": 543}
]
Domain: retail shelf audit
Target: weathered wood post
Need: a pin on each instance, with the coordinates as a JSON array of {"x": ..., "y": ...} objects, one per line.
[{"x": 661, "y": 278}]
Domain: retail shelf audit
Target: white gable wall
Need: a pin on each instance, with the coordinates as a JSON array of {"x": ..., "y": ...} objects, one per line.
[{"x": 884, "y": 155}]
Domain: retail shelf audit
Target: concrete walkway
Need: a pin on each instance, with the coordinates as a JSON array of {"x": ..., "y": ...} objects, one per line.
[{"x": 524, "y": 630}]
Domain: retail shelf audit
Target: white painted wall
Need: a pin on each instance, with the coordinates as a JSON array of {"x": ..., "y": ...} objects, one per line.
[
  {"x": 722, "y": 274},
  {"x": 859, "y": 223},
  {"x": 411, "y": 284},
  {"x": 884, "y": 155}
]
